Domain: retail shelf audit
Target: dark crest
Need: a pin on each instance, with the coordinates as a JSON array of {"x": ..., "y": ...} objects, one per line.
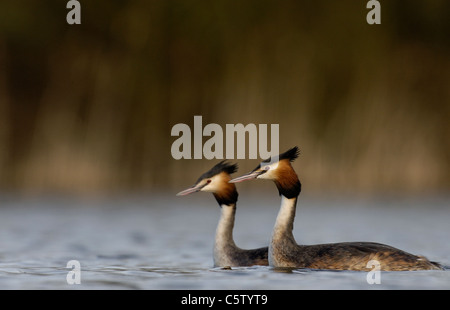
[
  {"x": 223, "y": 166},
  {"x": 290, "y": 154}
]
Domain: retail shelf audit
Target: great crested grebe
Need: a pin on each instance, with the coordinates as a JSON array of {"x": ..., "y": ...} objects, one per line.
[
  {"x": 284, "y": 250},
  {"x": 226, "y": 253}
]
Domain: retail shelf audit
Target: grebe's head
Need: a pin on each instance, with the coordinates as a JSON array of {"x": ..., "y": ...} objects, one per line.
[
  {"x": 216, "y": 181},
  {"x": 279, "y": 170}
]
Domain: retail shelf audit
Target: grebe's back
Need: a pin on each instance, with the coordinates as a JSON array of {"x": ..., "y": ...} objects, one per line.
[{"x": 351, "y": 256}]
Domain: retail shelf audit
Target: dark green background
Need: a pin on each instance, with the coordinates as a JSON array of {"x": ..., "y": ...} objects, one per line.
[{"x": 88, "y": 109}]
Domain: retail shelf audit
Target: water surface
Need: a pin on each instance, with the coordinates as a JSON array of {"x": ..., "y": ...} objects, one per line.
[{"x": 165, "y": 242}]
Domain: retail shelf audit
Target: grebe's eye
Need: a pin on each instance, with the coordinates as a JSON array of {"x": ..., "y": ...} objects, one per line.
[{"x": 208, "y": 181}]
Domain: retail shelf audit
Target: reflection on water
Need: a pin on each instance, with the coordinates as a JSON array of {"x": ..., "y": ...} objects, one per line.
[{"x": 166, "y": 243}]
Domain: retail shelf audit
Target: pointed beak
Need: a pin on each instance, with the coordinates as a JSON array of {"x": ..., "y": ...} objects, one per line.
[
  {"x": 190, "y": 190},
  {"x": 248, "y": 176}
]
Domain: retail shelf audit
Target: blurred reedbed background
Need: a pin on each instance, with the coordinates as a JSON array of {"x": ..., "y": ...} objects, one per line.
[{"x": 88, "y": 109}]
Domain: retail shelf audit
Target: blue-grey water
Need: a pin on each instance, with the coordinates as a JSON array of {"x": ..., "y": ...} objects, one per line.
[{"x": 165, "y": 242}]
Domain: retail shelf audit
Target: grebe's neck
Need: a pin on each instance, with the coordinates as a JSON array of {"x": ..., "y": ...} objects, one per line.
[
  {"x": 224, "y": 244},
  {"x": 224, "y": 231},
  {"x": 284, "y": 223},
  {"x": 282, "y": 240}
]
